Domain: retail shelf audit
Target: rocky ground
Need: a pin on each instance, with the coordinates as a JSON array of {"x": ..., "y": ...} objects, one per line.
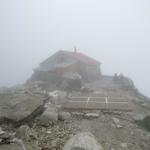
[
  {"x": 113, "y": 131},
  {"x": 31, "y": 120}
]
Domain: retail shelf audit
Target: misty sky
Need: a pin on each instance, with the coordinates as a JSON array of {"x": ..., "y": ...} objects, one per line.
[{"x": 116, "y": 32}]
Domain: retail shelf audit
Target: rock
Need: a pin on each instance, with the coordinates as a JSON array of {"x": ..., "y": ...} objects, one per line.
[
  {"x": 64, "y": 116},
  {"x": 6, "y": 137},
  {"x": 77, "y": 148},
  {"x": 146, "y": 122},
  {"x": 123, "y": 145},
  {"x": 12, "y": 146},
  {"x": 85, "y": 89},
  {"x": 118, "y": 126},
  {"x": 117, "y": 122},
  {"x": 144, "y": 104},
  {"x": 27, "y": 138},
  {"x": 49, "y": 116},
  {"x": 22, "y": 131},
  {"x": 49, "y": 131},
  {"x": 64, "y": 85},
  {"x": 32, "y": 146},
  {"x": 5, "y": 90},
  {"x": 138, "y": 117},
  {"x": 143, "y": 145},
  {"x": 26, "y": 133},
  {"x": 17, "y": 106},
  {"x": 77, "y": 113},
  {"x": 92, "y": 115},
  {"x": 26, "y": 145},
  {"x": 58, "y": 97},
  {"x": 83, "y": 141},
  {"x": 1, "y": 131}
]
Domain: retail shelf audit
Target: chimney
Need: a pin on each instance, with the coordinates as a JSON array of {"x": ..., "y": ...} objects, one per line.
[{"x": 75, "y": 50}]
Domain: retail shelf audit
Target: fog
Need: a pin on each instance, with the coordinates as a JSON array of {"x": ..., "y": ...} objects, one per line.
[{"x": 115, "y": 32}]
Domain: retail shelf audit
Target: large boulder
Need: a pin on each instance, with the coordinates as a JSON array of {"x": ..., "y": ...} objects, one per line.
[
  {"x": 83, "y": 141},
  {"x": 145, "y": 122},
  {"x": 18, "y": 144},
  {"x": 24, "y": 138},
  {"x": 12, "y": 146},
  {"x": 26, "y": 133},
  {"x": 18, "y": 106},
  {"x": 49, "y": 116},
  {"x": 138, "y": 117},
  {"x": 28, "y": 138}
]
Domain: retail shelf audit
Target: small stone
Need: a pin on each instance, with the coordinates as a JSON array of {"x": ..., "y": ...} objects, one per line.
[
  {"x": 117, "y": 122},
  {"x": 93, "y": 115},
  {"x": 49, "y": 131},
  {"x": 78, "y": 113},
  {"x": 123, "y": 145},
  {"x": 118, "y": 126}
]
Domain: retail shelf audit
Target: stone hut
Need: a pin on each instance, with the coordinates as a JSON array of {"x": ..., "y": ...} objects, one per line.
[{"x": 63, "y": 62}]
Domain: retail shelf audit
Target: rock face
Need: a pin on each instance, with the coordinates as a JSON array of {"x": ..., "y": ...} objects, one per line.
[
  {"x": 17, "y": 106},
  {"x": 85, "y": 141}
]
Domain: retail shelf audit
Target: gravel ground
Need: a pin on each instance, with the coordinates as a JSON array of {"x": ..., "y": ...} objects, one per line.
[{"x": 113, "y": 132}]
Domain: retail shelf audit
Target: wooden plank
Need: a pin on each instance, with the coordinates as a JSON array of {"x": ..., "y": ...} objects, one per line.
[
  {"x": 97, "y": 103},
  {"x": 93, "y": 98},
  {"x": 92, "y": 105}
]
